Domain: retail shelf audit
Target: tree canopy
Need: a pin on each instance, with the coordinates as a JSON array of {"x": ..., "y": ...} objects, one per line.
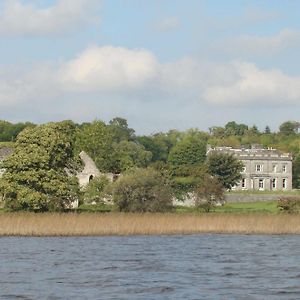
[
  {"x": 226, "y": 168},
  {"x": 35, "y": 176}
]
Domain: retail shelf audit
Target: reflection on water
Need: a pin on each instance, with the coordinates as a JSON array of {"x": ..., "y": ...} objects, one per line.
[{"x": 151, "y": 267}]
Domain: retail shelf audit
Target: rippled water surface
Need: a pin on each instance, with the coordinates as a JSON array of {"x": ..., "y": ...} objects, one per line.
[{"x": 151, "y": 267}]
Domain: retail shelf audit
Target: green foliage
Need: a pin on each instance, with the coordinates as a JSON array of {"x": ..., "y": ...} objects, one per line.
[
  {"x": 95, "y": 190},
  {"x": 128, "y": 155},
  {"x": 9, "y": 131},
  {"x": 208, "y": 193},
  {"x": 35, "y": 177},
  {"x": 232, "y": 128},
  {"x": 185, "y": 179},
  {"x": 226, "y": 168},
  {"x": 120, "y": 130},
  {"x": 189, "y": 151},
  {"x": 96, "y": 139},
  {"x": 289, "y": 127},
  {"x": 290, "y": 204},
  {"x": 142, "y": 190}
]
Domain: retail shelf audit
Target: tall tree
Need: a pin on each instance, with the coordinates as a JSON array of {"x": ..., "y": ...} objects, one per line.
[
  {"x": 96, "y": 139},
  {"x": 189, "y": 151},
  {"x": 129, "y": 155},
  {"x": 120, "y": 130},
  {"x": 226, "y": 168},
  {"x": 35, "y": 176},
  {"x": 289, "y": 127}
]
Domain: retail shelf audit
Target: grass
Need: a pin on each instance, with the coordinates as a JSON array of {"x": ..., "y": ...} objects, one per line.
[
  {"x": 249, "y": 207},
  {"x": 89, "y": 224},
  {"x": 243, "y": 192},
  {"x": 238, "y": 207}
]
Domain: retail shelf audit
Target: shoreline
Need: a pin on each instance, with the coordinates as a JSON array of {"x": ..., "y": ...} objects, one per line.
[{"x": 128, "y": 224}]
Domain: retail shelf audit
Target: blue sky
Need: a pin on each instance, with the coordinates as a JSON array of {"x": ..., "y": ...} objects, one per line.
[{"x": 161, "y": 64}]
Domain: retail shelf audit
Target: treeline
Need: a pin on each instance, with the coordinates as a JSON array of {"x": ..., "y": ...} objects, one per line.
[
  {"x": 115, "y": 147},
  {"x": 35, "y": 176}
]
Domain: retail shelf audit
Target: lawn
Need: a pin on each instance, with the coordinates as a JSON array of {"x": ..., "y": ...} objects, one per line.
[{"x": 238, "y": 207}]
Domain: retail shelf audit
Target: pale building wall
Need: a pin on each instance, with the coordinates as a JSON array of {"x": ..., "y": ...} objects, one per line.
[{"x": 265, "y": 169}]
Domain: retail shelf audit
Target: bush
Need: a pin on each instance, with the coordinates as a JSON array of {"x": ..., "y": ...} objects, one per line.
[
  {"x": 289, "y": 204},
  {"x": 209, "y": 193},
  {"x": 94, "y": 191},
  {"x": 142, "y": 190}
]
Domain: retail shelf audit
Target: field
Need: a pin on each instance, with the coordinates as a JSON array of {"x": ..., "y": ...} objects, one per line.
[{"x": 101, "y": 224}]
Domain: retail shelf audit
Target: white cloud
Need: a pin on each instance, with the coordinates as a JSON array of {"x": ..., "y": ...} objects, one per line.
[
  {"x": 116, "y": 81},
  {"x": 27, "y": 19},
  {"x": 254, "y": 85},
  {"x": 261, "y": 45},
  {"x": 109, "y": 69},
  {"x": 168, "y": 24}
]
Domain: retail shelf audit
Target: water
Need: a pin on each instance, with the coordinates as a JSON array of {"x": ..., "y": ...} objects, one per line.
[{"x": 151, "y": 267}]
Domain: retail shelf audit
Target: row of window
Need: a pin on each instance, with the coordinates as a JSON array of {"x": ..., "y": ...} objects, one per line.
[
  {"x": 261, "y": 183},
  {"x": 260, "y": 168}
]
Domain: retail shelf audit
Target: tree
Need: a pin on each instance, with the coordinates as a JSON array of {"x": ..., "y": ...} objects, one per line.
[
  {"x": 158, "y": 144},
  {"x": 120, "y": 130},
  {"x": 226, "y": 168},
  {"x": 35, "y": 176},
  {"x": 267, "y": 130},
  {"x": 9, "y": 131},
  {"x": 96, "y": 139},
  {"x": 208, "y": 193},
  {"x": 232, "y": 128},
  {"x": 289, "y": 127},
  {"x": 189, "y": 151},
  {"x": 142, "y": 190},
  {"x": 129, "y": 155}
]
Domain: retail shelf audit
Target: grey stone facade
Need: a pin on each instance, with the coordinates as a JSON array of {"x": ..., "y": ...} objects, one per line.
[{"x": 264, "y": 169}]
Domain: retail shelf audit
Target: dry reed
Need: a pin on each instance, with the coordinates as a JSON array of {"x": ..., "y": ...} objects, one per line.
[{"x": 27, "y": 224}]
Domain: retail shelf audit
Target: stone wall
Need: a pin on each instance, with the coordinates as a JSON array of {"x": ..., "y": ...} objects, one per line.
[{"x": 236, "y": 197}]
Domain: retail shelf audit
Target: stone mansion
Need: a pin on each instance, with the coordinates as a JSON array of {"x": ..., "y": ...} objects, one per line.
[{"x": 264, "y": 169}]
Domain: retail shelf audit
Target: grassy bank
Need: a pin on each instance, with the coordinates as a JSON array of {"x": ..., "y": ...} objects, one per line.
[{"x": 87, "y": 224}]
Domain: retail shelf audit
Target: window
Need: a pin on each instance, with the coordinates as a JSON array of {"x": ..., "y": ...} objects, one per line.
[
  {"x": 284, "y": 183},
  {"x": 261, "y": 184},
  {"x": 274, "y": 183},
  {"x": 284, "y": 168},
  {"x": 259, "y": 168},
  {"x": 274, "y": 167},
  {"x": 243, "y": 183}
]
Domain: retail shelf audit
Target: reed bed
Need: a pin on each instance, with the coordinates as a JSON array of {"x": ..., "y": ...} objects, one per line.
[{"x": 87, "y": 224}]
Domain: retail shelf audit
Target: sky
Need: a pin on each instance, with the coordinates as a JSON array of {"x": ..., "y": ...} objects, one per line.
[{"x": 161, "y": 64}]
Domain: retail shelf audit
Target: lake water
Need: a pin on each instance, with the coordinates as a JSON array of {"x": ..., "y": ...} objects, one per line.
[{"x": 151, "y": 267}]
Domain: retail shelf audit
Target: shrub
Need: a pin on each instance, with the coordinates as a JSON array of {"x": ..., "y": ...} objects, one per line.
[
  {"x": 209, "y": 192},
  {"x": 94, "y": 191},
  {"x": 289, "y": 204},
  {"x": 142, "y": 190}
]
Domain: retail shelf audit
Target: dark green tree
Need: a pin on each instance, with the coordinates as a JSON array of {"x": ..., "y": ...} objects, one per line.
[
  {"x": 128, "y": 155},
  {"x": 96, "y": 139},
  {"x": 267, "y": 130},
  {"x": 289, "y": 127},
  {"x": 120, "y": 130},
  {"x": 189, "y": 151},
  {"x": 35, "y": 176},
  {"x": 232, "y": 128},
  {"x": 226, "y": 168}
]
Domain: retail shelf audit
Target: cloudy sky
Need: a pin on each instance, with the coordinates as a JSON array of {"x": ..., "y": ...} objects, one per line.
[{"x": 161, "y": 64}]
